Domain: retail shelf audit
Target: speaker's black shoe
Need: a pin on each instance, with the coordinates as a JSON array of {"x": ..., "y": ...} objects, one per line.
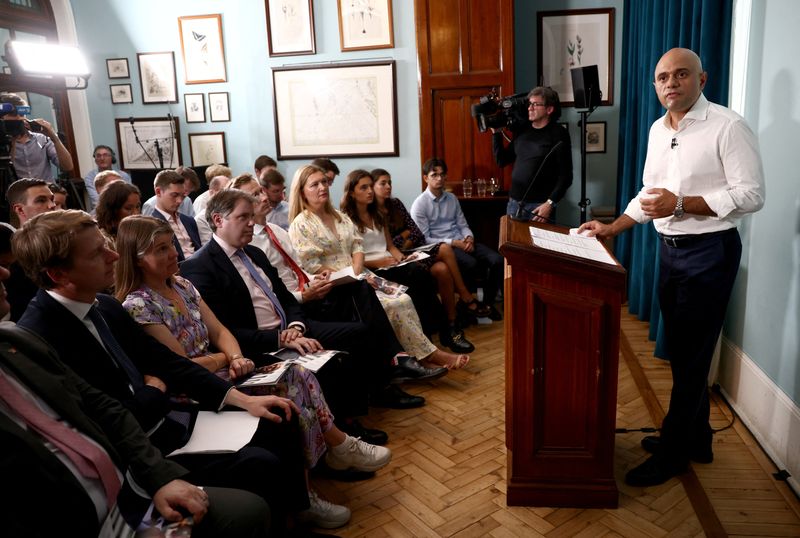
[
  {"x": 409, "y": 369},
  {"x": 455, "y": 340},
  {"x": 654, "y": 471},
  {"x": 652, "y": 444},
  {"x": 368, "y": 435},
  {"x": 394, "y": 397}
]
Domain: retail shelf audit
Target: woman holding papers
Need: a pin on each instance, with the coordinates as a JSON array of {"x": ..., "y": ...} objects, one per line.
[
  {"x": 360, "y": 204},
  {"x": 171, "y": 310},
  {"x": 326, "y": 239}
]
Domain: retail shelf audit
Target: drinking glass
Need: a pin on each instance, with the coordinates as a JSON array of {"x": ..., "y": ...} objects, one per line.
[
  {"x": 467, "y": 188},
  {"x": 493, "y": 186},
  {"x": 480, "y": 186}
]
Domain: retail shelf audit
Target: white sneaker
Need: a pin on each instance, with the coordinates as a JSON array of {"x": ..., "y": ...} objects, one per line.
[
  {"x": 356, "y": 454},
  {"x": 324, "y": 513}
]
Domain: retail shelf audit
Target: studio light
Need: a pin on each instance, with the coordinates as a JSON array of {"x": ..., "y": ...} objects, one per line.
[{"x": 45, "y": 59}]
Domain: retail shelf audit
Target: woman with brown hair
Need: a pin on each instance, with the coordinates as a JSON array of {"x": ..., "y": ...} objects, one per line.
[{"x": 117, "y": 201}]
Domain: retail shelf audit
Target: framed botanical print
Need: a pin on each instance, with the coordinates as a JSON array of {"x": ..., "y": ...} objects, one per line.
[
  {"x": 365, "y": 25},
  {"x": 203, "y": 49},
  {"x": 157, "y": 77},
  {"x": 121, "y": 93},
  {"x": 118, "y": 68}
]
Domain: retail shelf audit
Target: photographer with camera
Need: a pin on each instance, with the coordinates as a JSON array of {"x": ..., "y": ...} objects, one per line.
[
  {"x": 542, "y": 157},
  {"x": 37, "y": 146}
]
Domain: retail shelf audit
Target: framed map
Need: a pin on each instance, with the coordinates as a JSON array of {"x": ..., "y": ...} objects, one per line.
[
  {"x": 344, "y": 110},
  {"x": 140, "y": 140}
]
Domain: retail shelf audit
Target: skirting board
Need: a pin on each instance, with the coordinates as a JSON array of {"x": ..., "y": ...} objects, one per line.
[{"x": 770, "y": 415}]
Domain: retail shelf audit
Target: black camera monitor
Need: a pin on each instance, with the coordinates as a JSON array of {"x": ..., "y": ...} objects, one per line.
[{"x": 586, "y": 86}]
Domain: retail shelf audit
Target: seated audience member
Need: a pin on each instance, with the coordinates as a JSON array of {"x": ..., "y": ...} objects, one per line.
[
  {"x": 216, "y": 184},
  {"x": 212, "y": 172},
  {"x": 440, "y": 219},
  {"x": 169, "y": 308},
  {"x": 91, "y": 476},
  {"x": 64, "y": 252},
  {"x": 262, "y": 164},
  {"x": 105, "y": 160},
  {"x": 273, "y": 186},
  {"x": 329, "y": 168},
  {"x": 170, "y": 194},
  {"x": 407, "y": 236},
  {"x": 191, "y": 184},
  {"x": 118, "y": 201},
  {"x": 224, "y": 271},
  {"x": 360, "y": 204},
  {"x": 326, "y": 240},
  {"x": 59, "y": 196},
  {"x": 104, "y": 179},
  {"x": 35, "y": 154}
]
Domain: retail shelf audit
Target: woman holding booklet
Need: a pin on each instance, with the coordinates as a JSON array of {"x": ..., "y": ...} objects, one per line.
[
  {"x": 172, "y": 311},
  {"x": 327, "y": 240}
]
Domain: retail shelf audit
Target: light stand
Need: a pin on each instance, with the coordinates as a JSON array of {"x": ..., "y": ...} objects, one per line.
[{"x": 584, "y": 202}]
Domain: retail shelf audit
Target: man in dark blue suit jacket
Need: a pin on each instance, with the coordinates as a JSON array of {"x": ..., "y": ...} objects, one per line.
[
  {"x": 170, "y": 192},
  {"x": 64, "y": 253}
]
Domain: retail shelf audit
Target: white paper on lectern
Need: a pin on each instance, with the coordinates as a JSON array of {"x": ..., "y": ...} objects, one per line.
[
  {"x": 575, "y": 245},
  {"x": 222, "y": 432}
]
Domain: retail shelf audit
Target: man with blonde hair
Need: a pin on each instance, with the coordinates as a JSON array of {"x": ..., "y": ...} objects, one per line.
[{"x": 104, "y": 179}]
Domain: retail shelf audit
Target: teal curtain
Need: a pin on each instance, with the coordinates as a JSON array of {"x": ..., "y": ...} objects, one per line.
[{"x": 651, "y": 28}]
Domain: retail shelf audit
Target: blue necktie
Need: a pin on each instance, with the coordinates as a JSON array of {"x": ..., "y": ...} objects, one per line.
[
  {"x": 113, "y": 347},
  {"x": 263, "y": 285}
]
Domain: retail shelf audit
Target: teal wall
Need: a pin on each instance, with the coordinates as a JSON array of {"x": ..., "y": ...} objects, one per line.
[
  {"x": 601, "y": 168},
  {"x": 121, "y": 28},
  {"x": 764, "y": 318}
]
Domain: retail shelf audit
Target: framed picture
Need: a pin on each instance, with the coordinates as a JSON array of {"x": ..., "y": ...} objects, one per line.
[
  {"x": 203, "y": 49},
  {"x": 218, "y": 106},
  {"x": 290, "y": 27},
  {"x": 207, "y": 148},
  {"x": 335, "y": 110},
  {"x": 596, "y": 137},
  {"x": 157, "y": 77},
  {"x": 195, "y": 106},
  {"x": 576, "y": 38},
  {"x": 121, "y": 93},
  {"x": 155, "y": 135},
  {"x": 118, "y": 68},
  {"x": 365, "y": 25}
]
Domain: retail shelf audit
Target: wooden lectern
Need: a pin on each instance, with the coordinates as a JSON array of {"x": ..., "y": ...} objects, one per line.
[{"x": 562, "y": 315}]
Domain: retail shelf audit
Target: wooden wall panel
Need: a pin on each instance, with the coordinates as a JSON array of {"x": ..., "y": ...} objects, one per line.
[
  {"x": 485, "y": 49},
  {"x": 444, "y": 35}
]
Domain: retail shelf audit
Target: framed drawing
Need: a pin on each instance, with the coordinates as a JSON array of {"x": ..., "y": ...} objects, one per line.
[
  {"x": 157, "y": 77},
  {"x": 290, "y": 27},
  {"x": 365, "y": 25},
  {"x": 121, "y": 93},
  {"x": 596, "y": 137},
  {"x": 218, "y": 106},
  {"x": 203, "y": 49},
  {"x": 140, "y": 140},
  {"x": 207, "y": 148},
  {"x": 118, "y": 68},
  {"x": 576, "y": 38},
  {"x": 335, "y": 110},
  {"x": 195, "y": 106}
]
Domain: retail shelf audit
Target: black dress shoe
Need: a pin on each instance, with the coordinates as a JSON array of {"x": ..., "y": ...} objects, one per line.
[
  {"x": 455, "y": 340},
  {"x": 409, "y": 369},
  {"x": 394, "y": 397},
  {"x": 368, "y": 435},
  {"x": 654, "y": 471},
  {"x": 494, "y": 314},
  {"x": 652, "y": 444}
]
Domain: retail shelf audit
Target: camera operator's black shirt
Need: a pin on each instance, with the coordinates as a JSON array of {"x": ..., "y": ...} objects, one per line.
[{"x": 526, "y": 151}]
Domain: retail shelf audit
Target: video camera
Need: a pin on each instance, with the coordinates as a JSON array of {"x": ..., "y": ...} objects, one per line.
[
  {"x": 495, "y": 112},
  {"x": 11, "y": 128}
]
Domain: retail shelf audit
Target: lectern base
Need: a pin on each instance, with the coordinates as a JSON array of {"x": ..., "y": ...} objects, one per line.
[{"x": 596, "y": 494}]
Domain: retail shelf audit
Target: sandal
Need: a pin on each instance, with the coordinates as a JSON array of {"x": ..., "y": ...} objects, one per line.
[
  {"x": 451, "y": 361},
  {"x": 481, "y": 310}
]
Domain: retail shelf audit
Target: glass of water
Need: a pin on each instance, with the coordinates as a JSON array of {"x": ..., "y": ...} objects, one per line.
[
  {"x": 467, "y": 184},
  {"x": 480, "y": 186}
]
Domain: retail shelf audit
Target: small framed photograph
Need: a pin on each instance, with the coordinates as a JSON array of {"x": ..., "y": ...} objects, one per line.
[
  {"x": 195, "y": 105},
  {"x": 203, "y": 48},
  {"x": 207, "y": 148},
  {"x": 290, "y": 27},
  {"x": 219, "y": 107},
  {"x": 121, "y": 94},
  {"x": 118, "y": 68},
  {"x": 365, "y": 25},
  {"x": 596, "y": 137},
  {"x": 157, "y": 77}
]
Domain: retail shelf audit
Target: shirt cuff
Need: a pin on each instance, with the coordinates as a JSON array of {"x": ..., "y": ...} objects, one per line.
[
  {"x": 720, "y": 203},
  {"x": 299, "y": 296},
  {"x": 300, "y": 326},
  {"x": 223, "y": 403}
]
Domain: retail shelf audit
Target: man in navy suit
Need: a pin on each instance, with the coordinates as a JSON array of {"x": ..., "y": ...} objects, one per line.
[
  {"x": 170, "y": 192},
  {"x": 65, "y": 254}
]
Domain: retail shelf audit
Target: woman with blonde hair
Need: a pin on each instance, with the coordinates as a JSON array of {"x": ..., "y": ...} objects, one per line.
[
  {"x": 172, "y": 311},
  {"x": 327, "y": 240}
]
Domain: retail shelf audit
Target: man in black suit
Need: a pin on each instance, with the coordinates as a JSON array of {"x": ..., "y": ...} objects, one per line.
[
  {"x": 46, "y": 484},
  {"x": 64, "y": 252},
  {"x": 237, "y": 302},
  {"x": 170, "y": 192}
]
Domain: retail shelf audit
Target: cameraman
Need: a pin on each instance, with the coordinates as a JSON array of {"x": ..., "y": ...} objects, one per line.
[
  {"x": 528, "y": 150},
  {"x": 38, "y": 147}
]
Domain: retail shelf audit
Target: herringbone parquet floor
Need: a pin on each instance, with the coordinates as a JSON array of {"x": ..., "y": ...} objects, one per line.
[{"x": 447, "y": 477}]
